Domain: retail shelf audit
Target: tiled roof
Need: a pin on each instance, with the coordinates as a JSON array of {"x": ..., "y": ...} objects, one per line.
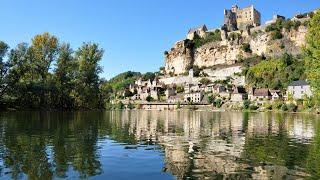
[
  {"x": 299, "y": 83},
  {"x": 262, "y": 92}
]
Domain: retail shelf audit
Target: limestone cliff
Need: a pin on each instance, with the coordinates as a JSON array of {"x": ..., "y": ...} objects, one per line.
[{"x": 230, "y": 50}]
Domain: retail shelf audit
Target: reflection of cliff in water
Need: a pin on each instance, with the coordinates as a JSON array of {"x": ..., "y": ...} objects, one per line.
[{"x": 234, "y": 145}]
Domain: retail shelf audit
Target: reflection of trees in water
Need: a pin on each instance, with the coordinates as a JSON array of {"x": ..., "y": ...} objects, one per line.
[
  {"x": 313, "y": 163},
  {"x": 31, "y": 138}
]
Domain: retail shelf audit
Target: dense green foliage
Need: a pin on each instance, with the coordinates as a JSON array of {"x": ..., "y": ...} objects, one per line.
[
  {"x": 282, "y": 23},
  {"x": 123, "y": 80},
  {"x": 246, "y": 48},
  {"x": 276, "y": 28},
  {"x": 276, "y": 35},
  {"x": 312, "y": 55},
  {"x": 275, "y": 73},
  {"x": 205, "y": 81},
  {"x": 48, "y": 74},
  {"x": 209, "y": 37}
]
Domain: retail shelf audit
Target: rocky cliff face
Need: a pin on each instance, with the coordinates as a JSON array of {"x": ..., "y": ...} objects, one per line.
[{"x": 227, "y": 52}]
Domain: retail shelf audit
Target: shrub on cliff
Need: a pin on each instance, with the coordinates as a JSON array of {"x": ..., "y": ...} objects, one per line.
[
  {"x": 234, "y": 36},
  {"x": 209, "y": 37},
  {"x": 246, "y": 48},
  {"x": 205, "y": 81},
  {"x": 276, "y": 35}
]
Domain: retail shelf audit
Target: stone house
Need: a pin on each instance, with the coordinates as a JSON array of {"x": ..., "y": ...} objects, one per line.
[
  {"x": 217, "y": 89},
  {"x": 259, "y": 94},
  {"x": 143, "y": 89},
  {"x": 192, "y": 87},
  {"x": 198, "y": 31},
  {"x": 299, "y": 89},
  {"x": 195, "y": 97},
  {"x": 170, "y": 91},
  {"x": 275, "y": 94},
  {"x": 239, "y": 94},
  {"x": 176, "y": 98},
  {"x": 209, "y": 88}
]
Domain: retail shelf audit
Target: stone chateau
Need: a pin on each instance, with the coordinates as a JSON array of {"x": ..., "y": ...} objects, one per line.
[{"x": 236, "y": 18}]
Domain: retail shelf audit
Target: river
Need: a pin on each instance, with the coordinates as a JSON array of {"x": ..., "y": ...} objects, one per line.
[{"x": 154, "y": 145}]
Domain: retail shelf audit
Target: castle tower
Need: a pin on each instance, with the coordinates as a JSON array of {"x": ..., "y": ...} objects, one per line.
[{"x": 234, "y": 8}]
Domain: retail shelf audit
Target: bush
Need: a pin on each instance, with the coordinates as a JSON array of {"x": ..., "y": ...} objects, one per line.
[
  {"x": 130, "y": 106},
  {"x": 211, "y": 99},
  {"x": 277, "y": 105},
  {"x": 267, "y": 106},
  {"x": 276, "y": 35},
  {"x": 180, "y": 89},
  {"x": 253, "y": 107},
  {"x": 218, "y": 103},
  {"x": 246, "y": 104},
  {"x": 178, "y": 105},
  {"x": 119, "y": 105},
  {"x": 205, "y": 81},
  {"x": 149, "y": 98},
  {"x": 292, "y": 107},
  {"x": 246, "y": 48},
  {"x": 284, "y": 107},
  {"x": 234, "y": 36}
]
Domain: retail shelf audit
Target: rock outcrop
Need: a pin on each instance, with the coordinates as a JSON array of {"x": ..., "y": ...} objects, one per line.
[{"x": 230, "y": 51}]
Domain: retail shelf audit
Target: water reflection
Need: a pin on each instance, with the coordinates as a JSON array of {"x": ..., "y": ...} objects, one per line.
[{"x": 158, "y": 144}]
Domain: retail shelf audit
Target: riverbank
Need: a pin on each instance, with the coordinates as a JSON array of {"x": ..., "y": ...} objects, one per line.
[{"x": 209, "y": 107}]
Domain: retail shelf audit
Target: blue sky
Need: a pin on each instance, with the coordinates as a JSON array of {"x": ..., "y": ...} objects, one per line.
[{"x": 133, "y": 33}]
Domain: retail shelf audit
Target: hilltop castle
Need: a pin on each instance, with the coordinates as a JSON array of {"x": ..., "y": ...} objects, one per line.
[{"x": 236, "y": 18}]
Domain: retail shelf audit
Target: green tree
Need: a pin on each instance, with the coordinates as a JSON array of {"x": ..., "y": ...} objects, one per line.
[
  {"x": 312, "y": 55},
  {"x": 87, "y": 78},
  {"x": 44, "y": 49},
  {"x": 65, "y": 75},
  {"x": 148, "y": 76},
  {"x": 4, "y": 68}
]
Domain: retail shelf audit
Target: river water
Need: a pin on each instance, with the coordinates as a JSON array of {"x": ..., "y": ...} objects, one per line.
[{"x": 159, "y": 145}]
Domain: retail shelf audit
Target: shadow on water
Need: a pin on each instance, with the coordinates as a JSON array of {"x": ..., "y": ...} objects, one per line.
[{"x": 159, "y": 145}]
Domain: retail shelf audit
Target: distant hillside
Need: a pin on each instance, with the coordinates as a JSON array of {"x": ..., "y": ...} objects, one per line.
[{"x": 123, "y": 80}]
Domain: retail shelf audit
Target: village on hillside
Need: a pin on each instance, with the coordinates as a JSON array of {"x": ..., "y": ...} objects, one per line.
[{"x": 220, "y": 88}]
